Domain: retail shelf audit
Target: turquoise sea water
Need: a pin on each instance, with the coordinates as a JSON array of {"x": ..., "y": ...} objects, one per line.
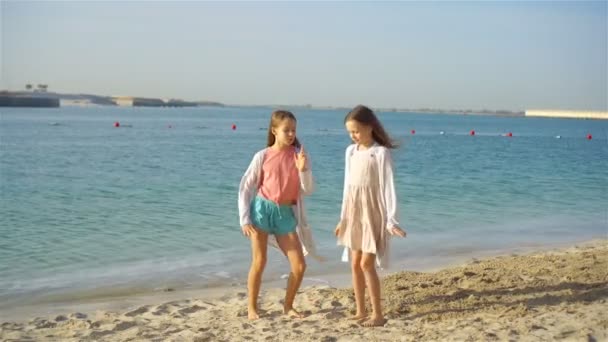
[{"x": 89, "y": 208}]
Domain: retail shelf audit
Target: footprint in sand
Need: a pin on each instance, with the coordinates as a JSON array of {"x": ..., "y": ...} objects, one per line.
[
  {"x": 12, "y": 326},
  {"x": 329, "y": 339},
  {"x": 335, "y": 315},
  {"x": 205, "y": 337},
  {"x": 97, "y": 334},
  {"x": 174, "y": 331},
  {"x": 96, "y": 324},
  {"x": 78, "y": 315},
  {"x": 179, "y": 303},
  {"x": 44, "y": 324},
  {"x": 137, "y": 312},
  {"x": 124, "y": 326},
  {"x": 161, "y": 310},
  {"x": 191, "y": 309}
]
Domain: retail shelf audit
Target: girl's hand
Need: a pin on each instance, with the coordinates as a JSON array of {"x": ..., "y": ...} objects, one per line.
[
  {"x": 338, "y": 230},
  {"x": 300, "y": 160},
  {"x": 397, "y": 231},
  {"x": 249, "y": 230}
]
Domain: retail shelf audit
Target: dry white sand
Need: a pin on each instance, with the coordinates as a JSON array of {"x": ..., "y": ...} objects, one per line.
[{"x": 556, "y": 295}]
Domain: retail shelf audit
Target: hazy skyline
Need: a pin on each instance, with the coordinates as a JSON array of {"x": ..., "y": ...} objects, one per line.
[{"x": 460, "y": 55}]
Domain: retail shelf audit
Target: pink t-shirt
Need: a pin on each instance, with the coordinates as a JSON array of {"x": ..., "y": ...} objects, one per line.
[{"x": 280, "y": 177}]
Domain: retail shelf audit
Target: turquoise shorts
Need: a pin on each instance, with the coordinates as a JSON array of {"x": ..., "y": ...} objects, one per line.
[{"x": 271, "y": 217}]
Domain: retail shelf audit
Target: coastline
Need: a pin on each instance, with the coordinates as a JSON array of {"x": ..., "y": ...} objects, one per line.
[
  {"x": 498, "y": 297},
  {"x": 334, "y": 275}
]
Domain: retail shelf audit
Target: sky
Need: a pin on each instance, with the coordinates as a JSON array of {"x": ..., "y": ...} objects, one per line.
[{"x": 450, "y": 55}]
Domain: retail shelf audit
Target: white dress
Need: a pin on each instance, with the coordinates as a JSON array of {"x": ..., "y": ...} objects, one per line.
[{"x": 369, "y": 207}]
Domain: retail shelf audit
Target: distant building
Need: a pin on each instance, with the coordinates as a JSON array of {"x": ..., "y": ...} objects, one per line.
[
  {"x": 17, "y": 100},
  {"x": 148, "y": 102},
  {"x": 76, "y": 103},
  {"x": 572, "y": 114},
  {"x": 130, "y": 101},
  {"x": 126, "y": 101}
]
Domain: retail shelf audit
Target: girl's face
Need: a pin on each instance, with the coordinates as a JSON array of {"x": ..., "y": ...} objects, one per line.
[
  {"x": 285, "y": 132},
  {"x": 359, "y": 133}
]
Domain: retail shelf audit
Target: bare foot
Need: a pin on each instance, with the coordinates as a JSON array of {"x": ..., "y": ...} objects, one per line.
[
  {"x": 292, "y": 313},
  {"x": 374, "y": 322},
  {"x": 358, "y": 317},
  {"x": 252, "y": 314}
]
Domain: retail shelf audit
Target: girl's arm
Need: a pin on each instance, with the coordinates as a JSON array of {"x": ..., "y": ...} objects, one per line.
[
  {"x": 388, "y": 189},
  {"x": 349, "y": 151},
  {"x": 307, "y": 182},
  {"x": 248, "y": 187}
]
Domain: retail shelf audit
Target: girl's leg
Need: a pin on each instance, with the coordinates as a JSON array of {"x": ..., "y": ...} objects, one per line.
[
  {"x": 291, "y": 247},
  {"x": 368, "y": 264},
  {"x": 259, "y": 247},
  {"x": 358, "y": 284}
]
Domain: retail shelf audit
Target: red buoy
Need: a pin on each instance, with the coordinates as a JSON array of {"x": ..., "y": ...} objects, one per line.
[
  {"x": 233, "y": 127},
  {"x": 589, "y": 136},
  {"x": 117, "y": 124},
  {"x": 509, "y": 134},
  {"x": 472, "y": 132},
  {"x": 413, "y": 131}
]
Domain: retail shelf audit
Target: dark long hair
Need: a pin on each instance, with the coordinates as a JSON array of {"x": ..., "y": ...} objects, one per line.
[
  {"x": 366, "y": 116},
  {"x": 276, "y": 118}
]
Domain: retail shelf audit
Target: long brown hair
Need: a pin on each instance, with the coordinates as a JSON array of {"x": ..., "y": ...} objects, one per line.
[
  {"x": 276, "y": 118},
  {"x": 366, "y": 116}
]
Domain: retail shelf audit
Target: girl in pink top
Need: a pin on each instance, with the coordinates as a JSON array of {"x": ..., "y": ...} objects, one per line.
[
  {"x": 280, "y": 179},
  {"x": 270, "y": 203}
]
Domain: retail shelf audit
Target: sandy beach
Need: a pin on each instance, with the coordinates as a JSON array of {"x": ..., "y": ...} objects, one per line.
[{"x": 552, "y": 295}]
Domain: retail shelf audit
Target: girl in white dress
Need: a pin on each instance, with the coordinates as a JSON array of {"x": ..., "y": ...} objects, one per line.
[{"x": 369, "y": 208}]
